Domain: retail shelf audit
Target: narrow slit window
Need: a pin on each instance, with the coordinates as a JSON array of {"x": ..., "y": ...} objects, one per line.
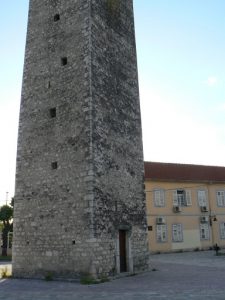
[
  {"x": 54, "y": 165},
  {"x": 56, "y": 17},
  {"x": 64, "y": 61},
  {"x": 52, "y": 112}
]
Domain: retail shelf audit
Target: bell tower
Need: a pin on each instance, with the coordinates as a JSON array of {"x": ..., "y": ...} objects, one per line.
[{"x": 79, "y": 199}]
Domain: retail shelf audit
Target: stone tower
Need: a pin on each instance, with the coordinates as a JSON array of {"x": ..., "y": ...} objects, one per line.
[{"x": 79, "y": 201}]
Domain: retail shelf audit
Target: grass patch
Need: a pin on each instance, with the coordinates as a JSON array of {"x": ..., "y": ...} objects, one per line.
[
  {"x": 49, "y": 276},
  {"x": 5, "y": 258},
  {"x": 88, "y": 280},
  {"x": 103, "y": 279}
]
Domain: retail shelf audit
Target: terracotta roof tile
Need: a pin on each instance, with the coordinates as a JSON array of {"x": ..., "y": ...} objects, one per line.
[{"x": 183, "y": 172}]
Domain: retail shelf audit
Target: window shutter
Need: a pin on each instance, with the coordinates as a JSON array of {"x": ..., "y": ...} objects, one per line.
[
  {"x": 175, "y": 198},
  {"x": 158, "y": 233},
  {"x": 223, "y": 198},
  {"x": 202, "y": 198},
  {"x": 162, "y": 200},
  {"x": 222, "y": 230},
  {"x": 177, "y": 232},
  {"x": 180, "y": 232},
  {"x": 157, "y": 198},
  {"x": 204, "y": 231},
  {"x": 164, "y": 232},
  {"x": 188, "y": 198},
  {"x": 220, "y": 198},
  {"x": 174, "y": 231},
  {"x": 207, "y": 231},
  {"x": 161, "y": 233}
]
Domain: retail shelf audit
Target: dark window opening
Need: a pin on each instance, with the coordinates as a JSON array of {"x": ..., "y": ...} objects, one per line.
[
  {"x": 180, "y": 192},
  {"x": 181, "y": 198},
  {"x": 63, "y": 61},
  {"x": 73, "y": 242},
  {"x": 149, "y": 228},
  {"x": 54, "y": 165},
  {"x": 56, "y": 17},
  {"x": 52, "y": 112}
]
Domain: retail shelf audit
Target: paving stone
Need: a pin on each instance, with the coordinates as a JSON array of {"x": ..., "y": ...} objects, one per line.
[{"x": 179, "y": 276}]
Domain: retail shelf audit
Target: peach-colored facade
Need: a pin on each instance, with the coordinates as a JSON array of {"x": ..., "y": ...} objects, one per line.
[{"x": 184, "y": 214}]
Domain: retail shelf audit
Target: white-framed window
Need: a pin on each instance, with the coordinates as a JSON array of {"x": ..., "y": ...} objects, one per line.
[
  {"x": 159, "y": 198},
  {"x": 182, "y": 198},
  {"x": 202, "y": 198},
  {"x": 177, "y": 233},
  {"x": 204, "y": 231},
  {"x": 161, "y": 233},
  {"x": 220, "y": 197},
  {"x": 222, "y": 231}
]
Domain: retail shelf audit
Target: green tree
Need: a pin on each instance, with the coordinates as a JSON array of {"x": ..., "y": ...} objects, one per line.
[
  {"x": 12, "y": 202},
  {"x": 6, "y": 214}
]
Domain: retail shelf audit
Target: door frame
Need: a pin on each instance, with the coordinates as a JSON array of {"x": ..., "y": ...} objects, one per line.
[{"x": 129, "y": 257}]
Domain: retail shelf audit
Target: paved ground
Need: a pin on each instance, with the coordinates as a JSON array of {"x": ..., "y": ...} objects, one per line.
[{"x": 180, "y": 276}]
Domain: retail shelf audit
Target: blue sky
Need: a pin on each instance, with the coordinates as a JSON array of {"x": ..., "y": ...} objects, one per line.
[
  {"x": 180, "y": 47},
  {"x": 182, "y": 79}
]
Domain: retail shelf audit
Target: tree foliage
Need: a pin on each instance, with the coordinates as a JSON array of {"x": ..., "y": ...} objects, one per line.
[{"x": 6, "y": 215}]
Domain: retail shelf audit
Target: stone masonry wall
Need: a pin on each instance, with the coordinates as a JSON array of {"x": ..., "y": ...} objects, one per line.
[
  {"x": 117, "y": 135},
  {"x": 79, "y": 173},
  {"x": 50, "y": 223}
]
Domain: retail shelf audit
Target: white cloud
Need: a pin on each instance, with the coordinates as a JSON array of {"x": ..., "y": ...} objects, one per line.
[{"x": 212, "y": 81}]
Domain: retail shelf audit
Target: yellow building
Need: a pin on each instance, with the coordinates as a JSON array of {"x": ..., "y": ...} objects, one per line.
[{"x": 185, "y": 206}]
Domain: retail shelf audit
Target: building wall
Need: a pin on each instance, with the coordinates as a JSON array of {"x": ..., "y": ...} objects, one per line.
[
  {"x": 189, "y": 217},
  {"x": 79, "y": 177}
]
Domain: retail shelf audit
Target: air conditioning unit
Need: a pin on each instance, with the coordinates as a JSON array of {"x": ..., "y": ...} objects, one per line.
[
  {"x": 160, "y": 220},
  {"x": 204, "y": 219},
  {"x": 204, "y": 208},
  {"x": 176, "y": 209}
]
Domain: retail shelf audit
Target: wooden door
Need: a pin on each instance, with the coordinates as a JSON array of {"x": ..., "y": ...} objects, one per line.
[{"x": 123, "y": 251}]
